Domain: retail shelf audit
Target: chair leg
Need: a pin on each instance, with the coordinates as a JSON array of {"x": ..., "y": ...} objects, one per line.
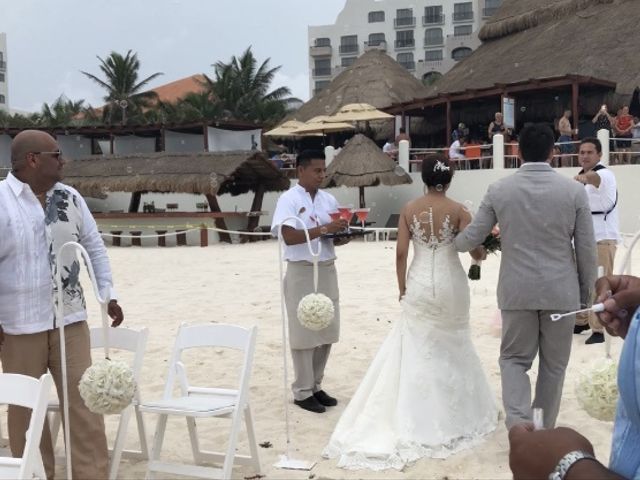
[
  {"x": 193, "y": 437},
  {"x": 227, "y": 467},
  {"x": 118, "y": 445},
  {"x": 142, "y": 433},
  {"x": 158, "y": 440},
  {"x": 253, "y": 446},
  {"x": 55, "y": 420}
]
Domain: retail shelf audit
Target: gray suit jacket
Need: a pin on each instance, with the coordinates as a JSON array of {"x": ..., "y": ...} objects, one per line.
[{"x": 540, "y": 213}]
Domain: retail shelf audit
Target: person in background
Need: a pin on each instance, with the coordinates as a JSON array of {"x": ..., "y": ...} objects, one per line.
[
  {"x": 622, "y": 126},
  {"x": 603, "y": 121},
  {"x": 566, "y": 132},
  {"x": 456, "y": 151},
  {"x": 403, "y": 135},
  {"x": 497, "y": 126}
]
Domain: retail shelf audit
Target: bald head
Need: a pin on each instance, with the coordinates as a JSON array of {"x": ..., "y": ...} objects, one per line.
[{"x": 29, "y": 141}]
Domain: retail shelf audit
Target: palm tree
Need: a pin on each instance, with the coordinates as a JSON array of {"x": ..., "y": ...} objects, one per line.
[
  {"x": 242, "y": 88},
  {"x": 124, "y": 91},
  {"x": 62, "y": 112}
]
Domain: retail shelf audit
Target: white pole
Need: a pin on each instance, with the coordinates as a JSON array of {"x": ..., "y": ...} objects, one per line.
[
  {"x": 498, "y": 151},
  {"x": 329, "y": 154},
  {"x": 403, "y": 155},
  {"x": 603, "y": 136}
]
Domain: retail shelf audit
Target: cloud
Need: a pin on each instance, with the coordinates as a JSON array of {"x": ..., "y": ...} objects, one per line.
[{"x": 298, "y": 84}]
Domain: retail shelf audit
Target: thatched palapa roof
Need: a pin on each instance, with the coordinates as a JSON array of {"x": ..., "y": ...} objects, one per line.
[
  {"x": 201, "y": 173},
  {"x": 361, "y": 163},
  {"x": 542, "y": 39},
  {"x": 374, "y": 78}
]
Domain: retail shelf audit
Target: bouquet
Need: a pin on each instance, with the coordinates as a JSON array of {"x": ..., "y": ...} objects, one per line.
[
  {"x": 315, "y": 311},
  {"x": 597, "y": 390},
  {"x": 491, "y": 244}
]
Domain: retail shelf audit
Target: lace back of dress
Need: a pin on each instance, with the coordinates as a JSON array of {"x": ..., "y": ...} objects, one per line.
[{"x": 444, "y": 236}]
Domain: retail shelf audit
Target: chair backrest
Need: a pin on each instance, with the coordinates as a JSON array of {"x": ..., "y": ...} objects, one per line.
[
  {"x": 121, "y": 338},
  {"x": 32, "y": 393},
  {"x": 214, "y": 335}
]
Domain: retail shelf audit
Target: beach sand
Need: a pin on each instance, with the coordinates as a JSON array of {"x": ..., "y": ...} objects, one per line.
[{"x": 161, "y": 287}]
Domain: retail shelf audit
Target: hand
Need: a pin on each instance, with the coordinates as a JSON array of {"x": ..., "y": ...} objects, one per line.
[
  {"x": 479, "y": 253},
  {"x": 337, "y": 226},
  {"x": 581, "y": 178},
  {"x": 115, "y": 312},
  {"x": 535, "y": 454},
  {"x": 621, "y": 297},
  {"x": 338, "y": 242}
]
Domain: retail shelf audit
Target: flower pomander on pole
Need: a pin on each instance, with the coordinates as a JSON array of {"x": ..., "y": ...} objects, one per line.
[{"x": 492, "y": 245}]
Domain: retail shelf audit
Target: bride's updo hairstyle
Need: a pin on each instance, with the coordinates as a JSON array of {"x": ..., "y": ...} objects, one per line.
[{"x": 437, "y": 171}]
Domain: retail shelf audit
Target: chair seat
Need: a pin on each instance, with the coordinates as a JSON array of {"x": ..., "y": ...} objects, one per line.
[
  {"x": 10, "y": 468},
  {"x": 198, "y": 405}
]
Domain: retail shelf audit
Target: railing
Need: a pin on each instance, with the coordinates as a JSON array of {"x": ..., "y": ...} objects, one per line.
[
  {"x": 379, "y": 45},
  {"x": 349, "y": 48},
  {"x": 433, "y": 63},
  {"x": 489, "y": 11},
  {"x": 408, "y": 65},
  {"x": 433, "y": 19},
  {"x": 405, "y": 43},
  {"x": 322, "y": 72},
  {"x": 462, "y": 16},
  {"x": 434, "y": 42},
  {"x": 320, "y": 50},
  {"x": 402, "y": 22}
]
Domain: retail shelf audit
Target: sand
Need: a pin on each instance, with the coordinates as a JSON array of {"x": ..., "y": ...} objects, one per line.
[{"x": 161, "y": 287}]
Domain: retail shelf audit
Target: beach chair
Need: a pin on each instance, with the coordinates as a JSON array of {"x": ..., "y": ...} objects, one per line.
[
  {"x": 129, "y": 340},
  {"x": 32, "y": 393},
  {"x": 206, "y": 402}
]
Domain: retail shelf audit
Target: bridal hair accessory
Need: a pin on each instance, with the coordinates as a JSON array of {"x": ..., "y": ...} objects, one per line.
[
  {"x": 439, "y": 187},
  {"x": 441, "y": 167}
]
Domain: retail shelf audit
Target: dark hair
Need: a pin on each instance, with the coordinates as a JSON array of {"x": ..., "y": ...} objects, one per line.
[
  {"x": 536, "y": 142},
  {"x": 403, "y": 130},
  {"x": 432, "y": 176},
  {"x": 306, "y": 156},
  {"x": 593, "y": 140}
]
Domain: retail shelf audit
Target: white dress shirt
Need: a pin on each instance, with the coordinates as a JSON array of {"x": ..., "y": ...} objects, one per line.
[
  {"x": 26, "y": 275},
  {"x": 297, "y": 202},
  {"x": 455, "y": 151},
  {"x": 602, "y": 199}
]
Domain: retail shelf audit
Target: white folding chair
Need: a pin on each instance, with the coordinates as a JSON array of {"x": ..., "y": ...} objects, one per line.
[
  {"x": 206, "y": 402},
  {"x": 131, "y": 341},
  {"x": 32, "y": 393}
]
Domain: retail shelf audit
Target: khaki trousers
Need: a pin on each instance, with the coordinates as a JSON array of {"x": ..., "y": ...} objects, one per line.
[
  {"x": 33, "y": 355},
  {"x": 606, "y": 256}
]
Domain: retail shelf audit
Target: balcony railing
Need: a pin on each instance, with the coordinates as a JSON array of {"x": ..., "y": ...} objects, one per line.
[
  {"x": 433, "y": 63},
  {"x": 462, "y": 16},
  {"x": 408, "y": 65},
  {"x": 403, "y": 22},
  {"x": 3, "y": 65},
  {"x": 434, "y": 42},
  {"x": 320, "y": 51},
  {"x": 349, "y": 48},
  {"x": 322, "y": 72},
  {"x": 489, "y": 11},
  {"x": 433, "y": 19},
  {"x": 409, "y": 43},
  {"x": 377, "y": 45}
]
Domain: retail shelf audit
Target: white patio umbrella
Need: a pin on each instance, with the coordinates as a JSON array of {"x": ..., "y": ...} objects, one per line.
[{"x": 358, "y": 112}]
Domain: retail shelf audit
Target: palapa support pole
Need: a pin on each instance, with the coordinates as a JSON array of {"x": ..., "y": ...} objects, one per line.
[{"x": 361, "y": 195}]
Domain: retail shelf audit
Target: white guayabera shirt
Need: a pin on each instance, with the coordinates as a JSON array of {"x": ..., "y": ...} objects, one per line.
[{"x": 30, "y": 237}]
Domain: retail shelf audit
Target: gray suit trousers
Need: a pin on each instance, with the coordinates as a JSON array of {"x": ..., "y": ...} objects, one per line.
[
  {"x": 526, "y": 333},
  {"x": 308, "y": 367}
]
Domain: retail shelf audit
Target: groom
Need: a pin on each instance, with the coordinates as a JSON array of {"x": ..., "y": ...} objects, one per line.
[{"x": 548, "y": 266}]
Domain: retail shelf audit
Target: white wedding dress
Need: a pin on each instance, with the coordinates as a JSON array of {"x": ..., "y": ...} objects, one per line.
[{"x": 425, "y": 393}]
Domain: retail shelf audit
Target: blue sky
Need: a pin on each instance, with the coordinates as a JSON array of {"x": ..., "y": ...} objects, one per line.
[{"x": 50, "y": 41}]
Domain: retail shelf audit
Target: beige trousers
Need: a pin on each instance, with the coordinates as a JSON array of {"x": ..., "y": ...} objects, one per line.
[
  {"x": 606, "y": 256},
  {"x": 33, "y": 355}
]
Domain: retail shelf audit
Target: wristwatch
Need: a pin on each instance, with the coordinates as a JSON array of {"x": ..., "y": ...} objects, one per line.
[
  {"x": 323, "y": 230},
  {"x": 568, "y": 461}
]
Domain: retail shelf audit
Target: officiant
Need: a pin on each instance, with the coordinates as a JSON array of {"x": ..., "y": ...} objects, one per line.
[{"x": 309, "y": 349}]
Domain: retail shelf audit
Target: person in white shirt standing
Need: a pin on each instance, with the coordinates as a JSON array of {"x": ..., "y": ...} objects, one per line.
[
  {"x": 38, "y": 214},
  {"x": 600, "y": 185},
  {"x": 309, "y": 349}
]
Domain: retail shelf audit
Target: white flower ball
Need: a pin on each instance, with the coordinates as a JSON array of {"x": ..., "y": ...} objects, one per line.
[
  {"x": 315, "y": 311},
  {"x": 107, "y": 387},
  {"x": 597, "y": 390}
]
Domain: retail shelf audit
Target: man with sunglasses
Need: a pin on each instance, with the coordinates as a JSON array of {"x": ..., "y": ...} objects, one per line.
[{"x": 39, "y": 214}]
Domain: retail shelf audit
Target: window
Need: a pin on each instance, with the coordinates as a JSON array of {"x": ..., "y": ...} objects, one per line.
[
  {"x": 376, "y": 39},
  {"x": 433, "y": 15},
  {"x": 406, "y": 60},
  {"x": 348, "y": 61},
  {"x": 433, "y": 36},
  {"x": 2, "y": 99},
  {"x": 322, "y": 66},
  {"x": 433, "y": 55},
  {"x": 460, "y": 53},
  {"x": 405, "y": 18},
  {"x": 323, "y": 42},
  {"x": 430, "y": 78},
  {"x": 490, "y": 7},
  {"x": 321, "y": 85},
  {"x": 375, "y": 17},
  {"x": 462, "y": 11},
  {"x": 2, "y": 77},
  {"x": 404, "y": 39},
  {"x": 349, "y": 44},
  {"x": 462, "y": 30}
]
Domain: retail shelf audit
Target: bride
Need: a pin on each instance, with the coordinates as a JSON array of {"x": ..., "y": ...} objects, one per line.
[{"x": 425, "y": 393}]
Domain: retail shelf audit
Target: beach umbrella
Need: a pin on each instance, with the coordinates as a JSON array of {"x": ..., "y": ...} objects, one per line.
[
  {"x": 358, "y": 112},
  {"x": 285, "y": 129},
  {"x": 321, "y": 125},
  {"x": 361, "y": 163}
]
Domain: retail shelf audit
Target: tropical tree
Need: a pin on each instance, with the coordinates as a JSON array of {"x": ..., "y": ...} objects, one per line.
[
  {"x": 242, "y": 88},
  {"x": 124, "y": 97},
  {"x": 62, "y": 112}
]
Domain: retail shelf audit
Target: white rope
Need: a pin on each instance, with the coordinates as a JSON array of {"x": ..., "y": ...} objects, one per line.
[
  {"x": 213, "y": 229},
  {"x": 283, "y": 311},
  {"x": 61, "y": 324}
]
